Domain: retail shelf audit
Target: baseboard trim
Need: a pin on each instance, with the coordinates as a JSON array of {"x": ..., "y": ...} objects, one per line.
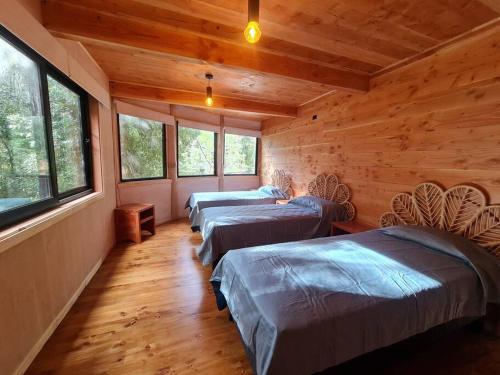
[{"x": 57, "y": 320}]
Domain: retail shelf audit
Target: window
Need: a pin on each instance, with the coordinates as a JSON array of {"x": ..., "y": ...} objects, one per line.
[
  {"x": 142, "y": 148},
  {"x": 66, "y": 115},
  {"x": 44, "y": 139},
  {"x": 240, "y": 154},
  {"x": 196, "y": 152}
]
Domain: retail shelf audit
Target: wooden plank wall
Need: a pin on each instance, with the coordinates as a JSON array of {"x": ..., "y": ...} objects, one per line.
[{"x": 437, "y": 119}]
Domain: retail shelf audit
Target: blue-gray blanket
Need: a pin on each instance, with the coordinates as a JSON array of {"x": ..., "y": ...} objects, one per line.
[
  {"x": 198, "y": 201},
  {"x": 226, "y": 228},
  {"x": 305, "y": 306}
]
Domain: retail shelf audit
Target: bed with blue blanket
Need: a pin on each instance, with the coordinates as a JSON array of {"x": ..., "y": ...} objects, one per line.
[
  {"x": 305, "y": 306},
  {"x": 196, "y": 202},
  {"x": 226, "y": 228}
]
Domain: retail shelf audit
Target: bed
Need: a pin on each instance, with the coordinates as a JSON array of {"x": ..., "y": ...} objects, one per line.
[
  {"x": 306, "y": 306},
  {"x": 225, "y": 228},
  {"x": 268, "y": 194}
]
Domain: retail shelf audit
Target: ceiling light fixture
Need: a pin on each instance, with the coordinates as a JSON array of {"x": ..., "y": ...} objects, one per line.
[
  {"x": 209, "y": 101},
  {"x": 252, "y": 31}
]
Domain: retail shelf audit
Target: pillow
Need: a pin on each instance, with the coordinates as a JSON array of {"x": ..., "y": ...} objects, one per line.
[
  {"x": 328, "y": 210},
  {"x": 485, "y": 265},
  {"x": 274, "y": 191},
  {"x": 311, "y": 202}
]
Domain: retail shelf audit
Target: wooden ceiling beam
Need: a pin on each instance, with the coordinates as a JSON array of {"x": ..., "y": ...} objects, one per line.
[
  {"x": 220, "y": 31},
  {"x": 234, "y": 13},
  {"x": 74, "y": 21},
  {"x": 197, "y": 99},
  {"x": 484, "y": 28}
]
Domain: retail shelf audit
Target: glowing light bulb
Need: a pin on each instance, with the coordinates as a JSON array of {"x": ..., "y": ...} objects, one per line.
[
  {"x": 252, "y": 32},
  {"x": 209, "y": 101}
]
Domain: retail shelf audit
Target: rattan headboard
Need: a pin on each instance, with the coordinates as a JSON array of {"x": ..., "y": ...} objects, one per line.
[
  {"x": 283, "y": 181},
  {"x": 328, "y": 187},
  {"x": 461, "y": 209}
]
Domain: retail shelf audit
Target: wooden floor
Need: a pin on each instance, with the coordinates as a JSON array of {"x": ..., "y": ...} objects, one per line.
[{"x": 150, "y": 310}]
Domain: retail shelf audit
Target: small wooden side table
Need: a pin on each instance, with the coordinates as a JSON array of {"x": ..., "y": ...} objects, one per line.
[
  {"x": 132, "y": 219},
  {"x": 348, "y": 227}
]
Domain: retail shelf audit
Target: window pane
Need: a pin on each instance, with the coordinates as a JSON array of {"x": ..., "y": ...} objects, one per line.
[
  {"x": 240, "y": 154},
  {"x": 142, "y": 148},
  {"x": 67, "y": 133},
  {"x": 24, "y": 167},
  {"x": 196, "y": 152}
]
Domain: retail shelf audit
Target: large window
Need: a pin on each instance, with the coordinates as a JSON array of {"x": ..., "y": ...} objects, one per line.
[
  {"x": 44, "y": 139},
  {"x": 196, "y": 152},
  {"x": 240, "y": 154},
  {"x": 142, "y": 148}
]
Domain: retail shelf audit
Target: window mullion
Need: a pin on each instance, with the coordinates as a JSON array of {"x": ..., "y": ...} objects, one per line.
[
  {"x": 48, "y": 130},
  {"x": 86, "y": 139},
  {"x": 165, "y": 158},
  {"x": 215, "y": 154},
  {"x": 256, "y": 156}
]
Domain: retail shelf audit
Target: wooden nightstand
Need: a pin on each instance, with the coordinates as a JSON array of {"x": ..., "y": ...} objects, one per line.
[
  {"x": 132, "y": 219},
  {"x": 282, "y": 201},
  {"x": 348, "y": 227}
]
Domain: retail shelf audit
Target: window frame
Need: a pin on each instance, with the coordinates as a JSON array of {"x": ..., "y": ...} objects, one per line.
[
  {"x": 164, "y": 151},
  {"x": 45, "y": 68},
  {"x": 177, "y": 153},
  {"x": 256, "y": 157}
]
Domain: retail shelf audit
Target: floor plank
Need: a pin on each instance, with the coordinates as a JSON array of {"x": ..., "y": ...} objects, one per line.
[
  {"x": 148, "y": 310},
  {"x": 151, "y": 310}
]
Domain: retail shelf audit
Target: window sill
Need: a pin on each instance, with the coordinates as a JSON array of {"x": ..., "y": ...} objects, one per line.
[
  {"x": 21, "y": 232},
  {"x": 241, "y": 175},
  {"x": 194, "y": 178},
  {"x": 158, "y": 181}
]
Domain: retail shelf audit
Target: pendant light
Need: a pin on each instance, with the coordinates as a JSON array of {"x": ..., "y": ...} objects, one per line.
[
  {"x": 252, "y": 31},
  {"x": 209, "y": 101}
]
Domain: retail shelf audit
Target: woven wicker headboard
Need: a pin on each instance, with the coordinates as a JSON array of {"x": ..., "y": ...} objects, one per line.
[
  {"x": 462, "y": 209},
  {"x": 328, "y": 187},
  {"x": 283, "y": 181}
]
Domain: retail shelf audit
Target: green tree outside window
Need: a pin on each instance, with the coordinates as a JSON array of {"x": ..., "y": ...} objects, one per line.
[
  {"x": 240, "y": 154},
  {"x": 142, "y": 148},
  {"x": 196, "y": 152}
]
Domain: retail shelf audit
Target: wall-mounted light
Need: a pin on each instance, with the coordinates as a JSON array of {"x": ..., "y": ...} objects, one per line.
[
  {"x": 252, "y": 31},
  {"x": 209, "y": 101}
]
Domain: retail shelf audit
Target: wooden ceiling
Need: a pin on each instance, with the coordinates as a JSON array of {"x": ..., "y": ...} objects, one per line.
[{"x": 161, "y": 49}]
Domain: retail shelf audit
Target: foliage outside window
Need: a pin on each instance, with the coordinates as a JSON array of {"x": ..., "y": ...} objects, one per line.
[
  {"x": 44, "y": 147},
  {"x": 23, "y": 150},
  {"x": 66, "y": 115},
  {"x": 142, "y": 148},
  {"x": 240, "y": 154},
  {"x": 196, "y": 152}
]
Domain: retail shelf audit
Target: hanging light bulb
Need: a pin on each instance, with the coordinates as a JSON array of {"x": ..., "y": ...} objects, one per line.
[
  {"x": 252, "y": 31},
  {"x": 209, "y": 101}
]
